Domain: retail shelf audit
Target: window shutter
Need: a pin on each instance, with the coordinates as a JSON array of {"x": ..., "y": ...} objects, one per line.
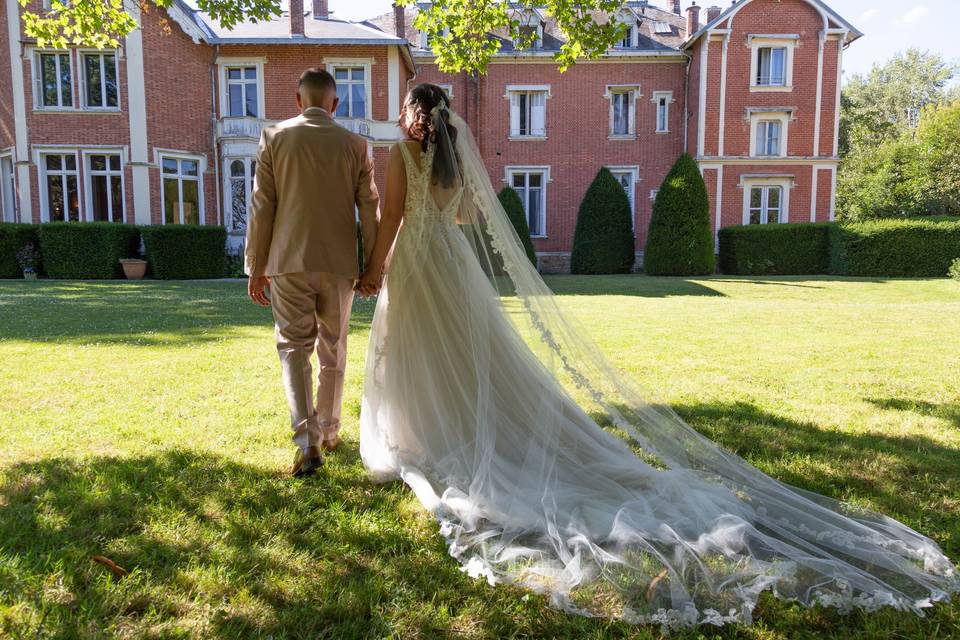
[
  {"x": 514, "y": 114},
  {"x": 539, "y": 114}
]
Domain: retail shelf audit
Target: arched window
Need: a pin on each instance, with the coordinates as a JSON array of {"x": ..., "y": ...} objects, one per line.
[{"x": 241, "y": 173}]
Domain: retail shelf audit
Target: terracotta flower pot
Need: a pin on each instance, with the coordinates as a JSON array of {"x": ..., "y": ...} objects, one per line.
[{"x": 133, "y": 268}]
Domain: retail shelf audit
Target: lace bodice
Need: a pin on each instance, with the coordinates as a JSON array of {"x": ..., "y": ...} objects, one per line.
[{"x": 421, "y": 205}]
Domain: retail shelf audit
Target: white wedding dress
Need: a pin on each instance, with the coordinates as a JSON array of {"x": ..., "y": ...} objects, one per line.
[{"x": 641, "y": 518}]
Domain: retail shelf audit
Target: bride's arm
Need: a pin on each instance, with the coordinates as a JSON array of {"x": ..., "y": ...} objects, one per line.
[{"x": 391, "y": 216}]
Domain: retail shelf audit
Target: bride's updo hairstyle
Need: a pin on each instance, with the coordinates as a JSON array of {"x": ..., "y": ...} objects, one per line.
[{"x": 425, "y": 117}]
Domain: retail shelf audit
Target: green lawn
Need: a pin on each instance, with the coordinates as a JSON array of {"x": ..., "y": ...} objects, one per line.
[{"x": 146, "y": 422}]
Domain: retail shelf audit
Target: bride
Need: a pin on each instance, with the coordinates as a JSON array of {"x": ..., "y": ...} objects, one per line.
[{"x": 608, "y": 502}]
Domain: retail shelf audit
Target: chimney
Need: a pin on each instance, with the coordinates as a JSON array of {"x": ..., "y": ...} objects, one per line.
[
  {"x": 676, "y": 7},
  {"x": 321, "y": 9},
  {"x": 399, "y": 20},
  {"x": 693, "y": 19},
  {"x": 296, "y": 18},
  {"x": 712, "y": 14}
]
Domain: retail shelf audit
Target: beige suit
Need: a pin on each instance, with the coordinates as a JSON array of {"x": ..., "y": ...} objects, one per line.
[{"x": 313, "y": 178}]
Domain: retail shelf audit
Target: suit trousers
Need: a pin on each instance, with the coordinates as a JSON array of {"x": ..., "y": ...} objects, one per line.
[{"x": 311, "y": 312}]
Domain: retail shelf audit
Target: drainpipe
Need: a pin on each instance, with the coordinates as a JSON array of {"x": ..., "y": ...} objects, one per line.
[
  {"x": 686, "y": 99},
  {"x": 216, "y": 144}
]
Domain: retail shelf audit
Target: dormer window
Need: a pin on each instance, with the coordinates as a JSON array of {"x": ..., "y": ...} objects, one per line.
[
  {"x": 629, "y": 38},
  {"x": 531, "y": 30}
]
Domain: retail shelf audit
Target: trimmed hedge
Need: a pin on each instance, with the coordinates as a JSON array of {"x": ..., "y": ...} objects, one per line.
[
  {"x": 14, "y": 237},
  {"x": 775, "y": 249},
  {"x": 912, "y": 248},
  {"x": 680, "y": 238},
  {"x": 89, "y": 251},
  {"x": 513, "y": 205},
  {"x": 185, "y": 252},
  {"x": 603, "y": 239}
]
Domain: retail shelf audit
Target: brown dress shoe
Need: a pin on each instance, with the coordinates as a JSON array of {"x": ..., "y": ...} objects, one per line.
[
  {"x": 331, "y": 445},
  {"x": 305, "y": 466}
]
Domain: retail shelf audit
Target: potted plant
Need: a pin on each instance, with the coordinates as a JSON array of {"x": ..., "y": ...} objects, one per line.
[
  {"x": 27, "y": 259},
  {"x": 133, "y": 268}
]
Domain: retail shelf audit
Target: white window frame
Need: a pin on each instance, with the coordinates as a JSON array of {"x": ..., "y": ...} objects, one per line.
[
  {"x": 88, "y": 173},
  {"x": 666, "y": 97},
  {"x": 201, "y": 160},
  {"x": 533, "y": 18},
  {"x": 633, "y": 91},
  {"x": 40, "y": 152},
  {"x": 544, "y": 170},
  {"x": 634, "y": 172},
  {"x": 36, "y": 75},
  {"x": 515, "y": 90},
  {"x": 778, "y": 115},
  {"x": 776, "y": 41},
  {"x": 748, "y": 183},
  {"x": 228, "y": 179},
  {"x": 8, "y": 191},
  {"x": 367, "y": 63},
  {"x": 82, "y": 81},
  {"x": 225, "y": 63},
  {"x": 447, "y": 87}
]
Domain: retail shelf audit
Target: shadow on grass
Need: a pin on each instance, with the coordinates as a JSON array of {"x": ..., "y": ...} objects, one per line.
[
  {"x": 628, "y": 285},
  {"x": 948, "y": 412},
  {"x": 220, "y": 548},
  {"x": 137, "y": 314},
  {"x": 905, "y": 477}
]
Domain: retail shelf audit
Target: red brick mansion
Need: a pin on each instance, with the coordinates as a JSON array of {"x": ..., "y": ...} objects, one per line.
[{"x": 164, "y": 129}]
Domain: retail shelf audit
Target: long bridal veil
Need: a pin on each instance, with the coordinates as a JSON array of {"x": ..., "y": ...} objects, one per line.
[{"x": 548, "y": 468}]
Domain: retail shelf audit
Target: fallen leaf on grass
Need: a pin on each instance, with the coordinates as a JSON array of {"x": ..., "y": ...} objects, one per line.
[{"x": 116, "y": 569}]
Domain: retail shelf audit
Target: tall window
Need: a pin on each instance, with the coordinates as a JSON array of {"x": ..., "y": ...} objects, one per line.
[
  {"x": 100, "y": 81},
  {"x": 242, "y": 172},
  {"x": 530, "y": 186},
  {"x": 771, "y": 66},
  {"x": 622, "y": 112},
  {"x": 242, "y": 92},
  {"x": 528, "y": 114},
  {"x": 766, "y": 205},
  {"x": 104, "y": 184},
  {"x": 181, "y": 190},
  {"x": 8, "y": 199},
  {"x": 54, "y": 80},
  {"x": 627, "y": 179},
  {"x": 352, "y": 91},
  {"x": 60, "y": 182},
  {"x": 663, "y": 99},
  {"x": 769, "y": 140}
]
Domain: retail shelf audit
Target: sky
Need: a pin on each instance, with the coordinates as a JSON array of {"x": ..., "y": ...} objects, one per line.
[{"x": 889, "y": 25}]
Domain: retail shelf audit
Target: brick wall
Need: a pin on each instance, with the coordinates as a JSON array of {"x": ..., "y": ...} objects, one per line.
[
  {"x": 7, "y": 136},
  {"x": 578, "y": 130}
]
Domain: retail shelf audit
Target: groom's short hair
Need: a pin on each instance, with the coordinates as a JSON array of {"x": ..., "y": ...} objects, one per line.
[{"x": 315, "y": 84}]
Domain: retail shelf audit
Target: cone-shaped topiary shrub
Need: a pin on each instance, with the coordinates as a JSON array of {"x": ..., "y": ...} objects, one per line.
[
  {"x": 603, "y": 240},
  {"x": 680, "y": 238},
  {"x": 510, "y": 200}
]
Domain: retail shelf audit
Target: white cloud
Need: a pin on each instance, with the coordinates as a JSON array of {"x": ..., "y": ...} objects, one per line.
[
  {"x": 868, "y": 15},
  {"x": 915, "y": 14}
]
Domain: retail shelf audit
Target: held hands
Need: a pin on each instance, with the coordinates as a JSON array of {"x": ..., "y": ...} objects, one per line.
[
  {"x": 370, "y": 283},
  {"x": 256, "y": 289}
]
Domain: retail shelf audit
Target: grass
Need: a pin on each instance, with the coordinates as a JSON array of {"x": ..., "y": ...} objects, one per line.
[{"x": 146, "y": 422}]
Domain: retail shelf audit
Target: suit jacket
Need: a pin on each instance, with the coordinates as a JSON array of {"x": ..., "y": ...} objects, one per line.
[{"x": 312, "y": 176}]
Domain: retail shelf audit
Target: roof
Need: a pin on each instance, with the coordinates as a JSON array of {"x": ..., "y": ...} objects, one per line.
[
  {"x": 553, "y": 37},
  {"x": 852, "y": 32},
  {"x": 276, "y": 30}
]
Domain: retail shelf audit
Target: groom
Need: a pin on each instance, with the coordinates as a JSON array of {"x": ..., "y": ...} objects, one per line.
[{"x": 312, "y": 175}]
